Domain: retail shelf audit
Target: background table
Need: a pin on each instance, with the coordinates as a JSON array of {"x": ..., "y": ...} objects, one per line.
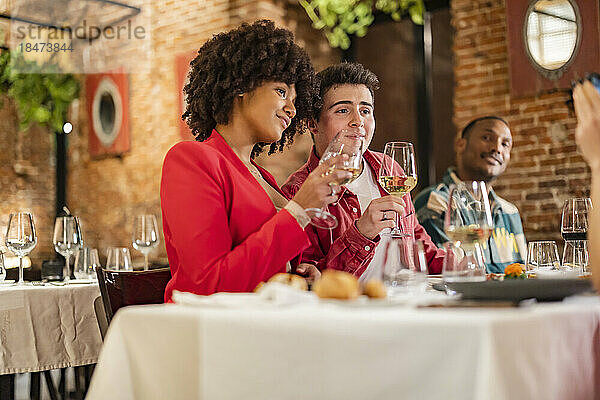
[
  {"x": 547, "y": 351},
  {"x": 47, "y": 327}
]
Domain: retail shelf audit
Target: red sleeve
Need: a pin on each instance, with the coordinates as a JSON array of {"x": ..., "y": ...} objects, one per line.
[
  {"x": 351, "y": 252},
  {"x": 197, "y": 226}
]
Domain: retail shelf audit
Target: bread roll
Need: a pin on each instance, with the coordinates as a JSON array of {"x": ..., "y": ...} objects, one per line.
[
  {"x": 375, "y": 289},
  {"x": 292, "y": 280},
  {"x": 337, "y": 285}
]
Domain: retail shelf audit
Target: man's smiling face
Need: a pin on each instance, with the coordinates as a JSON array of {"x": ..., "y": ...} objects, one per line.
[{"x": 485, "y": 151}]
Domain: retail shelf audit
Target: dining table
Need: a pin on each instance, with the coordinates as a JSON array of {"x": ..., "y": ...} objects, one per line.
[
  {"x": 368, "y": 349},
  {"x": 47, "y": 326}
]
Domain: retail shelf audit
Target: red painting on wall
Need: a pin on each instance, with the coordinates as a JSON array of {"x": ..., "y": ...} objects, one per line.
[
  {"x": 107, "y": 96},
  {"x": 527, "y": 79},
  {"x": 182, "y": 67}
]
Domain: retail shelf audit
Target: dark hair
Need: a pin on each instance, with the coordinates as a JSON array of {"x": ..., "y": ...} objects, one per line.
[
  {"x": 343, "y": 74},
  {"x": 467, "y": 129},
  {"x": 238, "y": 61}
]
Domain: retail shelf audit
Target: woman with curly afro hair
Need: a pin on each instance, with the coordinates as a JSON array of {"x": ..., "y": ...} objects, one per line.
[{"x": 226, "y": 223}]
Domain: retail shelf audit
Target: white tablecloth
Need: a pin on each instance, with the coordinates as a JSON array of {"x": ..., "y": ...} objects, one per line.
[
  {"x": 47, "y": 327},
  {"x": 324, "y": 351}
]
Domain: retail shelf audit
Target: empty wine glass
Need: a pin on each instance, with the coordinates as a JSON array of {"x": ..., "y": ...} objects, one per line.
[
  {"x": 118, "y": 259},
  {"x": 86, "y": 261},
  {"x": 404, "y": 267},
  {"x": 66, "y": 239},
  {"x": 468, "y": 224},
  {"x": 542, "y": 256},
  {"x": 20, "y": 237},
  {"x": 398, "y": 174},
  {"x": 145, "y": 235},
  {"x": 351, "y": 143}
]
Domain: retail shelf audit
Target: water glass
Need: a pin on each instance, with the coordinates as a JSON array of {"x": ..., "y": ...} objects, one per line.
[
  {"x": 542, "y": 256},
  {"x": 86, "y": 261},
  {"x": 404, "y": 267},
  {"x": 118, "y": 259},
  {"x": 145, "y": 235},
  {"x": 463, "y": 262},
  {"x": 575, "y": 257},
  {"x": 67, "y": 239}
]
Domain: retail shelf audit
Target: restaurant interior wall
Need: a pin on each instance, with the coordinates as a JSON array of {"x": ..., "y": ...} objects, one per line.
[{"x": 545, "y": 167}]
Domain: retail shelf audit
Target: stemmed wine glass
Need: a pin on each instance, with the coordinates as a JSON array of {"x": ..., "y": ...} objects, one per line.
[
  {"x": 20, "y": 237},
  {"x": 574, "y": 229},
  {"x": 145, "y": 235},
  {"x": 351, "y": 143},
  {"x": 468, "y": 224},
  {"x": 67, "y": 239},
  {"x": 398, "y": 174}
]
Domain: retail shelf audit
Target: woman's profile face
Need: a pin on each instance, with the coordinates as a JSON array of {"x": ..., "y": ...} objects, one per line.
[{"x": 267, "y": 110}]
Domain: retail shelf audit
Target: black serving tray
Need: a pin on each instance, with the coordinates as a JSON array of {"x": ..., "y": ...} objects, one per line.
[{"x": 521, "y": 289}]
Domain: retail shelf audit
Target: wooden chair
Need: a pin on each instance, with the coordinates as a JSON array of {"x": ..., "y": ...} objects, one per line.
[{"x": 127, "y": 288}]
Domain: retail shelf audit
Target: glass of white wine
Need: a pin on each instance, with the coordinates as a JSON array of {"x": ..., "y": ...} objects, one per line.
[
  {"x": 468, "y": 224},
  {"x": 20, "y": 238},
  {"x": 398, "y": 174},
  {"x": 352, "y": 143}
]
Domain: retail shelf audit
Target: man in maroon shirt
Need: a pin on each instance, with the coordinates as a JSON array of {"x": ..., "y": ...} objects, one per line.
[{"x": 363, "y": 209}]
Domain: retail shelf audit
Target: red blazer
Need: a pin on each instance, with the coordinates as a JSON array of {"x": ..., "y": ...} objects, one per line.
[{"x": 222, "y": 232}]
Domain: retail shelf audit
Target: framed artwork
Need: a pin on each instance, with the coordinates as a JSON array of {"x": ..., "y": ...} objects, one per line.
[{"x": 107, "y": 97}]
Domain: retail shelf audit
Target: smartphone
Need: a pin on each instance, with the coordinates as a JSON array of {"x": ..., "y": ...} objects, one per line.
[{"x": 594, "y": 78}]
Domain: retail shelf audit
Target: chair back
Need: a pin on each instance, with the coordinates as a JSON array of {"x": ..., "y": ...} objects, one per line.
[
  {"x": 101, "y": 316},
  {"x": 127, "y": 288}
]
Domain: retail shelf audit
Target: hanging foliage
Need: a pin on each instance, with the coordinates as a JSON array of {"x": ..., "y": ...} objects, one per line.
[
  {"x": 41, "y": 98},
  {"x": 341, "y": 18}
]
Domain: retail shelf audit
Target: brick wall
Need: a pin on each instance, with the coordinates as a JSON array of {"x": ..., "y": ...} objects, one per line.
[
  {"x": 26, "y": 177},
  {"x": 108, "y": 193},
  {"x": 545, "y": 168}
]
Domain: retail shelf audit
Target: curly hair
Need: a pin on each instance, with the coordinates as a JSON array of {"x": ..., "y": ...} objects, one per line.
[
  {"x": 238, "y": 61},
  {"x": 344, "y": 73}
]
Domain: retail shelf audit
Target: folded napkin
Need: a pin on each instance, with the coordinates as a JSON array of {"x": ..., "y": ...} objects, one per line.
[{"x": 270, "y": 294}]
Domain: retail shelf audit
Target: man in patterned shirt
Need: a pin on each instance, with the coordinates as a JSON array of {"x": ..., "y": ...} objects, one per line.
[{"x": 482, "y": 154}]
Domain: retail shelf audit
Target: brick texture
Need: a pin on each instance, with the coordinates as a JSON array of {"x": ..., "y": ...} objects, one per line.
[{"x": 545, "y": 168}]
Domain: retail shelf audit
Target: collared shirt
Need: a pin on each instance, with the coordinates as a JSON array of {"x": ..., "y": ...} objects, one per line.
[
  {"x": 344, "y": 247},
  {"x": 506, "y": 244}
]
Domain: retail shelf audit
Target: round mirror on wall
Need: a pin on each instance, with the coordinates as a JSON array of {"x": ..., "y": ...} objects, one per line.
[{"x": 552, "y": 33}]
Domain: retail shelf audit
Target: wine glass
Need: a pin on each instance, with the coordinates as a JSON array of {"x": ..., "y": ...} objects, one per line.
[
  {"x": 468, "y": 224},
  {"x": 118, "y": 259},
  {"x": 542, "y": 256},
  {"x": 398, "y": 174},
  {"x": 145, "y": 235},
  {"x": 20, "y": 237},
  {"x": 576, "y": 258},
  {"x": 574, "y": 224},
  {"x": 573, "y": 229},
  {"x": 404, "y": 266},
  {"x": 86, "y": 261},
  {"x": 66, "y": 239},
  {"x": 2, "y": 268},
  {"x": 350, "y": 142}
]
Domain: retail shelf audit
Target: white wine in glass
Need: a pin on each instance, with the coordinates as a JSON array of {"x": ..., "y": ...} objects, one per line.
[
  {"x": 398, "y": 174},
  {"x": 349, "y": 142},
  {"x": 468, "y": 224}
]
